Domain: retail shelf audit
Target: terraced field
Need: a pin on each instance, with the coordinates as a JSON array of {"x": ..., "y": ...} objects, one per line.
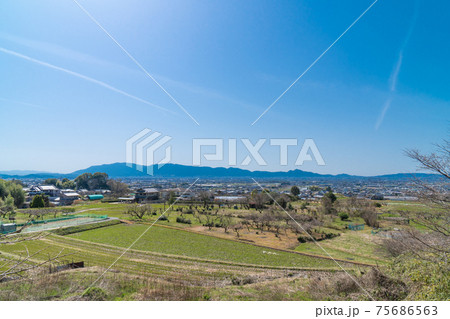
[
  {"x": 360, "y": 246},
  {"x": 182, "y": 243},
  {"x": 168, "y": 253}
]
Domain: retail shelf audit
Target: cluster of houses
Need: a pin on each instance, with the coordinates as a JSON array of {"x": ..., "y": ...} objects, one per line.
[
  {"x": 306, "y": 193},
  {"x": 154, "y": 194},
  {"x": 223, "y": 192},
  {"x": 66, "y": 197},
  {"x": 61, "y": 197}
]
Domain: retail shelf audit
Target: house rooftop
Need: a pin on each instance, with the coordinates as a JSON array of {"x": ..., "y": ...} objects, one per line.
[
  {"x": 71, "y": 195},
  {"x": 47, "y": 188},
  {"x": 149, "y": 190}
]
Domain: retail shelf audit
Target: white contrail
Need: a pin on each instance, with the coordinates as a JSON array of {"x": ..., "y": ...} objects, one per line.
[
  {"x": 23, "y": 103},
  {"x": 315, "y": 61},
  {"x": 393, "y": 79},
  {"x": 386, "y": 107},
  {"x": 396, "y": 71},
  {"x": 81, "y": 76},
  {"x": 139, "y": 65},
  {"x": 392, "y": 89}
]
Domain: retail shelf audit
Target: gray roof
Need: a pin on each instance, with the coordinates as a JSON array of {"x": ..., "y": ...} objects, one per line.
[
  {"x": 71, "y": 195},
  {"x": 47, "y": 188},
  {"x": 150, "y": 190}
]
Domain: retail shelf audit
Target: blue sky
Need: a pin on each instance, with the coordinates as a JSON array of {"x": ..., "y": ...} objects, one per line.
[{"x": 70, "y": 98}]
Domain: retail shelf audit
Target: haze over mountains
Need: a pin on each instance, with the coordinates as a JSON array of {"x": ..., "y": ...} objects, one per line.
[
  {"x": 22, "y": 172},
  {"x": 121, "y": 170}
]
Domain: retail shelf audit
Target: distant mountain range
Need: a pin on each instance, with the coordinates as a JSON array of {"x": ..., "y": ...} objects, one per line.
[
  {"x": 21, "y": 172},
  {"x": 121, "y": 170}
]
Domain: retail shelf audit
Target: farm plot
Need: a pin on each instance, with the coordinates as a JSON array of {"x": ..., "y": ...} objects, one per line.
[
  {"x": 358, "y": 246},
  {"x": 200, "y": 272},
  {"x": 187, "y": 244}
]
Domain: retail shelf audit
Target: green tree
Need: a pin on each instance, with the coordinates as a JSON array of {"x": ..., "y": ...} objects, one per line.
[
  {"x": 4, "y": 192},
  {"x": 68, "y": 184},
  {"x": 327, "y": 205},
  {"x": 52, "y": 181},
  {"x": 295, "y": 191},
  {"x": 37, "y": 202},
  {"x": 282, "y": 201},
  {"x": 98, "y": 181},
  {"x": 6, "y": 206},
  {"x": 82, "y": 180},
  {"x": 331, "y": 196},
  {"x": 92, "y": 181},
  {"x": 18, "y": 194},
  {"x": 13, "y": 189}
]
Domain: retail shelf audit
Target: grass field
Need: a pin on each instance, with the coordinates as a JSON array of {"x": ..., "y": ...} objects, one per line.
[
  {"x": 168, "y": 253},
  {"x": 195, "y": 271},
  {"x": 218, "y": 265},
  {"x": 173, "y": 255},
  {"x": 351, "y": 246},
  {"x": 182, "y": 243},
  {"x": 405, "y": 206},
  {"x": 360, "y": 246}
]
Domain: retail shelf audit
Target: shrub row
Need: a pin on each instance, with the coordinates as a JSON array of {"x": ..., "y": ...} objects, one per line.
[
  {"x": 183, "y": 220},
  {"x": 80, "y": 228},
  {"x": 317, "y": 237}
]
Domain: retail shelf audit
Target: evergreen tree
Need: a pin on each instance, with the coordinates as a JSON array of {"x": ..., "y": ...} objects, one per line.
[
  {"x": 37, "y": 202},
  {"x": 295, "y": 190}
]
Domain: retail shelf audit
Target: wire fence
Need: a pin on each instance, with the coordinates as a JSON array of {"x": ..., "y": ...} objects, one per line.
[{"x": 54, "y": 223}]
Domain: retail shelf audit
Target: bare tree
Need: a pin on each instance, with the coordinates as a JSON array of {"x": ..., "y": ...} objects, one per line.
[
  {"x": 19, "y": 268},
  {"x": 237, "y": 228},
  {"x": 307, "y": 222},
  {"x": 225, "y": 222},
  {"x": 422, "y": 248},
  {"x": 435, "y": 242},
  {"x": 16, "y": 268},
  {"x": 205, "y": 198},
  {"x": 370, "y": 217},
  {"x": 118, "y": 188},
  {"x": 260, "y": 200},
  {"x": 139, "y": 211},
  {"x": 209, "y": 220}
]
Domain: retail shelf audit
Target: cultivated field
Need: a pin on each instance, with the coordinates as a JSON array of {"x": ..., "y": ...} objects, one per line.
[{"x": 204, "y": 262}]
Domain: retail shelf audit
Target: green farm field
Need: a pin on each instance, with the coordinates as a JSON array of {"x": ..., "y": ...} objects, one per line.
[
  {"x": 172, "y": 254},
  {"x": 182, "y": 243},
  {"x": 360, "y": 246}
]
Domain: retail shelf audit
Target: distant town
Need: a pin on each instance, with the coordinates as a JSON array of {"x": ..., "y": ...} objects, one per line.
[{"x": 222, "y": 190}]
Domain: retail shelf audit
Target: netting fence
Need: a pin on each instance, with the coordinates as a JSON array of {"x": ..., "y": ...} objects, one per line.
[{"x": 54, "y": 223}]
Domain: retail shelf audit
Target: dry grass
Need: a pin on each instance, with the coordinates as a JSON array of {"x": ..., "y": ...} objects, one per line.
[
  {"x": 293, "y": 287},
  {"x": 284, "y": 240},
  {"x": 343, "y": 287},
  {"x": 73, "y": 285}
]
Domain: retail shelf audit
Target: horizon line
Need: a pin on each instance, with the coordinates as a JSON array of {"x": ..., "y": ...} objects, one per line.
[{"x": 39, "y": 172}]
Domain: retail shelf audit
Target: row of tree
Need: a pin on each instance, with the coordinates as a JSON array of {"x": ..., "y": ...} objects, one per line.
[
  {"x": 90, "y": 182},
  {"x": 84, "y": 181},
  {"x": 64, "y": 183}
]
